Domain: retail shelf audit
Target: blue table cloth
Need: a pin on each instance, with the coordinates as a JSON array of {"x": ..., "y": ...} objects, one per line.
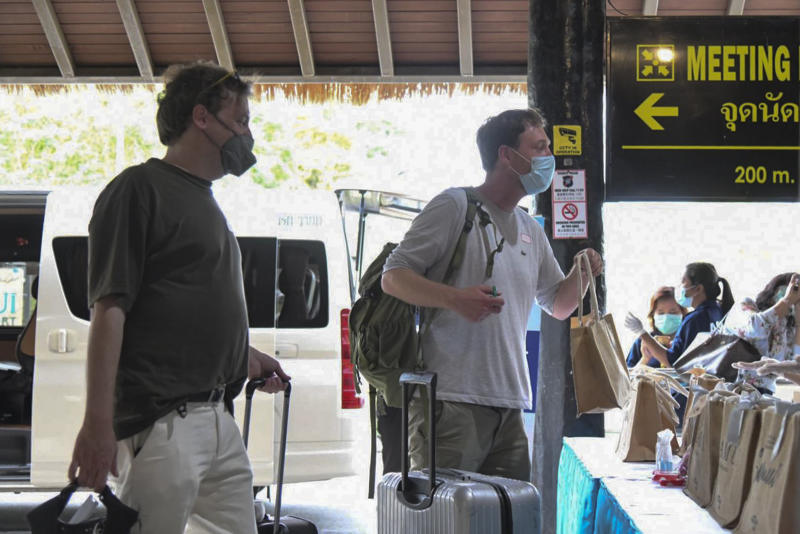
[
  {"x": 577, "y": 494},
  {"x": 599, "y": 494},
  {"x": 610, "y": 517}
]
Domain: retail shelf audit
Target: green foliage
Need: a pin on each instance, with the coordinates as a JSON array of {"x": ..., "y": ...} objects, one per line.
[
  {"x": 72, "y": 138},
  {"x": 85, "y": 136},
  {"x": 316, "y": 150}
]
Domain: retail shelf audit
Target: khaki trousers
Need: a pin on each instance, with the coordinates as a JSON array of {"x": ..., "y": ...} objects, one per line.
[
  {"x": 481, "y": 439},
  {"x": 189, "y": 470}
]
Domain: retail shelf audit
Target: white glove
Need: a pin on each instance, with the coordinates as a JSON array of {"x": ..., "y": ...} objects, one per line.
[{"x": 634, "y": 324}]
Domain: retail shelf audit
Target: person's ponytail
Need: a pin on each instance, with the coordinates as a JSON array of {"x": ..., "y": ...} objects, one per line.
[{"x": 727, "y": 296}]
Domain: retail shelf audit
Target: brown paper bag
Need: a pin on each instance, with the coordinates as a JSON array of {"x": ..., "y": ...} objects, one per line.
[
  {"x": 704, "y": 458},
  {"x": 741, "y": 422},
  {"x": 598, "y": 363},
  {"x": 650, "y": 410},
  {"x": 773, "y": 504},
  {"x": 707, "y": 382}
]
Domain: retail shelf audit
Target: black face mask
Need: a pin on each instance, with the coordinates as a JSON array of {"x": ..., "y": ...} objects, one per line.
[{"x": 236, "y": 154}]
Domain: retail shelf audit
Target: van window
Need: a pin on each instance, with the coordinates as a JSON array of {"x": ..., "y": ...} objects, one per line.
[
  {"x": 20, "y": 242},
  {"x": 303, "y": 284},
  {"x": 72, "y": 255},
  {"x": 258, "y": 273},
  {"x": 302, "y": 296}
]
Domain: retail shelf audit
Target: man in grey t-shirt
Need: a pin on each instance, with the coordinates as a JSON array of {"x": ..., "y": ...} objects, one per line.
[{"x": 475, "y": 340}]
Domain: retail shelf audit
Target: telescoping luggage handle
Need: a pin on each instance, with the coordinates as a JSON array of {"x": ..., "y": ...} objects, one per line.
[
  {"x": 249, "y": 390},
  {"x": 412, "y": 492}
]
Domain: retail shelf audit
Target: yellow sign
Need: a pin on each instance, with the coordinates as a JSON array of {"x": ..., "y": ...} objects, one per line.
[
  {"x": 648, "y": 109},
  {"x": 566, "y": 140},
  {"x": 655, "y": 63}
]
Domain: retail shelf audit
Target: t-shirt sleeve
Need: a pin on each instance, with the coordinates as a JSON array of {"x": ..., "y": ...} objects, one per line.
[
  {"x": 550, "y": 274},
  {"x": 117, "y": 241},
  {"x": 431, "y": 233}
]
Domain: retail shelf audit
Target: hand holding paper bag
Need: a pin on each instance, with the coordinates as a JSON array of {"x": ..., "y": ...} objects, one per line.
[{"x": 598, "y": 364}]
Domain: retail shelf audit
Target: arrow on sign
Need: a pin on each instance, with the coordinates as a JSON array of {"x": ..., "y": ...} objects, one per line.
[{"x": 647, "y": 110}]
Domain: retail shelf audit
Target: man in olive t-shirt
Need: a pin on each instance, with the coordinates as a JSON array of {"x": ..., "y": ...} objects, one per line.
[{"x": 168, "y": 340}]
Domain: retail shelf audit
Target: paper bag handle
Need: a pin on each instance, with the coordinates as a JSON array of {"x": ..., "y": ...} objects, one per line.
[{"x": 594, "y": 313}]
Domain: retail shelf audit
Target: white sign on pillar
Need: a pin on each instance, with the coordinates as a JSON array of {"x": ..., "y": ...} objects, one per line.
[{"x": 569, "y": 204}]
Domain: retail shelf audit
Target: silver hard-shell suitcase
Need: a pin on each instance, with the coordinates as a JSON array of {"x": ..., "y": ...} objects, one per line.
[{"x": 446, "y": 501}]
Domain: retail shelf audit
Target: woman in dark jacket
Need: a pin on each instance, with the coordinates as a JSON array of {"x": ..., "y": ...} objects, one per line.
[{"x": 699, "y": 288}]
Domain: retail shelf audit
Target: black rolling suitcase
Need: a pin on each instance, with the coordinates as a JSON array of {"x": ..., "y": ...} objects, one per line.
[{"x": 277, "y": 524}]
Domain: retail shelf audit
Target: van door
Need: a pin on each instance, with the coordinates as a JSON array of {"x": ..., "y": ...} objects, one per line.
[
  {"x": 59, "y": 394},
  {"x": 21, "y": 219},
  {"x": 313, "y": 282},
  {"x": 370, "y": 220}
]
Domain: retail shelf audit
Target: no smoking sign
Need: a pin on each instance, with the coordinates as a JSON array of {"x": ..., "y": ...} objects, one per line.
[
  {"x": 569, "y": 211},
  {"x": 569, "y": 204}
]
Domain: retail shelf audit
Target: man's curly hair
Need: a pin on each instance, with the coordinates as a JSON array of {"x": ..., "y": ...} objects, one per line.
[{"x": 188, "y": 85}]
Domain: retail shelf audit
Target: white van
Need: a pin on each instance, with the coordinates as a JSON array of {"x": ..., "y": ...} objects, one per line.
[{"x": 44, "y": 236}]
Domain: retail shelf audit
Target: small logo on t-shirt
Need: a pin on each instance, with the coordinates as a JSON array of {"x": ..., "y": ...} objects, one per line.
[{"x": 525, "y": 238}]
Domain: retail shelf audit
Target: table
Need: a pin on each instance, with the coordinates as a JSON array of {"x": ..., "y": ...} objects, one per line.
[{"x": 599, "y": 494}]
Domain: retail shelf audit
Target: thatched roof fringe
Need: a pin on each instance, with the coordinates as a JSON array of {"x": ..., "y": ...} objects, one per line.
[
  {"x": 361, "y": 93},
  {"x": 315, "y": 93}
]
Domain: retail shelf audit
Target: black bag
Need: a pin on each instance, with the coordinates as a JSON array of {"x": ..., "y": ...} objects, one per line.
[
  {"x": 277, "y": 524},
  {"x": 717, "y": 354},
  {"x": 45, "y": 518}
]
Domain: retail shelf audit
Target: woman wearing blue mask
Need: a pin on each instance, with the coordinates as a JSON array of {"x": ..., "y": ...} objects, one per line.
[
  {"x": 664, "y": 318},
  {"x": 699, "y": 288},
  {"x": 769, "y": 324}
]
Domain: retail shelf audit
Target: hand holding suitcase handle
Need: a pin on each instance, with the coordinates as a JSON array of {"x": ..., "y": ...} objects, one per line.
[
  {"x": 249, "y": 391},
  {"x": 410, "y": 490}
]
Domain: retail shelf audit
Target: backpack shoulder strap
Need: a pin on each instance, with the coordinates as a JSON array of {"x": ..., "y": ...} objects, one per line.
[{"x": 473, "y": 208}]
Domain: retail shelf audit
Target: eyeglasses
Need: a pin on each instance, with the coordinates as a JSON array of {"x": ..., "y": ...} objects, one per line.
[{"x": 232, "y": 74}]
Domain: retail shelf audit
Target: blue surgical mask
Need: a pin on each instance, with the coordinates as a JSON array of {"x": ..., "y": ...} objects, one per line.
[
  {"x": 667, "y": 323},
  {"x": 681, "y": 297},
  {"x": 540, "y": 176}
]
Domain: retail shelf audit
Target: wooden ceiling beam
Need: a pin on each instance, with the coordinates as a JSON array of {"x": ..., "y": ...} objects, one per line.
[
  {"x": 302, "y": 38},
  {"x": 650, "y": 8},
  {"x": 465, "y": 60},
  {"x": 219, "y": 34},
  {"x": 736, "y": 7},
  {"x": 58, "y": 43},
  {"x": 380, "y": 14},
  {"x": 133, "y": 27}
]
